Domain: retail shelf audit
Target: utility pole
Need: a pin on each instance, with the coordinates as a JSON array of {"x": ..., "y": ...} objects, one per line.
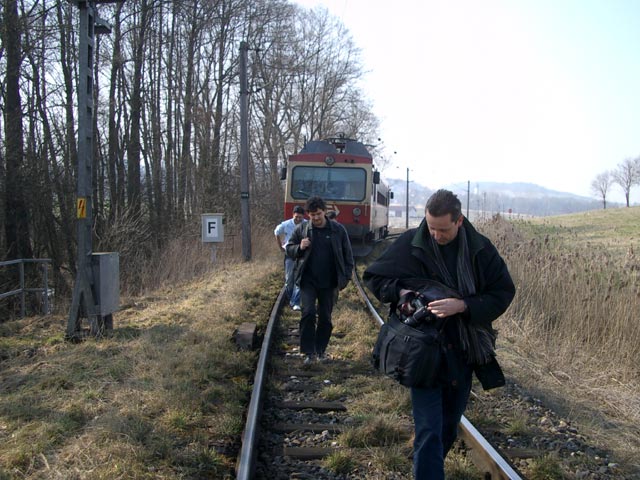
[
  {"x": 86, "y": 299},
  {"x": 484, "y": 203},
  {"x": 468, "y": 196},
  {"x": 244, "y": 154},
  {"x": 407, "y": 219}
]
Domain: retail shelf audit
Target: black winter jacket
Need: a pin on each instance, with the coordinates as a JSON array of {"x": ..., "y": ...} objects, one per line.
[
  {"x": 396, "y": 269},
  {"x": 340, "y": 244},
  {"x": 410, "y": 259}
]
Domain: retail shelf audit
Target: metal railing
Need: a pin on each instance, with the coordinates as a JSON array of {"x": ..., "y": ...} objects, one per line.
[{"x": 22, "y": 291}]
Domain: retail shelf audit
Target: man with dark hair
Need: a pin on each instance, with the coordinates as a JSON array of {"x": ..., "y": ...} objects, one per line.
[
  {"x": 283, "y": 232},
  {"x": 445, "y": 248},
  {"x": 324, "y": 263}
]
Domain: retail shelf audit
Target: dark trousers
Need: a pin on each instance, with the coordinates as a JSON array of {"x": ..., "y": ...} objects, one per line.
[
  {"x": 436, "y": 414},
  {"x": 315, "y": 323}
]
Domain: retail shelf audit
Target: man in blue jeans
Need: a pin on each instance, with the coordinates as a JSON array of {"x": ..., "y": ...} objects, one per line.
[
  {"x": 447, "y": 249},
  {"x": 283, "y": 233}
]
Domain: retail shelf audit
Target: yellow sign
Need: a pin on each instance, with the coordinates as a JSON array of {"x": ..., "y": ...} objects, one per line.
[{"x": 81, "y": 207}]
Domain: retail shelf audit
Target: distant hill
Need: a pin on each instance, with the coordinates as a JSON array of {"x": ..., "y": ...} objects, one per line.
[
  {"x": 494, "y": 197},
  {"x": 418, "y": 193}
]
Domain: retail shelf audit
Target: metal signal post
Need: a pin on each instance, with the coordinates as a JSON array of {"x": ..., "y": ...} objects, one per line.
[
  {"x": 85, "y": 292},
  {"x": 244, "y": 154}
]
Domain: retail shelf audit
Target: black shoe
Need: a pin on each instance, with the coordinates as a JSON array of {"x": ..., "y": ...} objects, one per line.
[{"x": 322, "y": 358}]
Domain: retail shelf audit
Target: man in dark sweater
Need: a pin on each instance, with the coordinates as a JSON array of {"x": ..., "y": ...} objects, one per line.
[
  {"x": 324, "y": 263},
  {"x": 445, "y": 248}
]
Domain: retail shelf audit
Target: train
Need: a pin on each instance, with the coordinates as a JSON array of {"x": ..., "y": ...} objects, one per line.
[{"x": 341, "y": 171}]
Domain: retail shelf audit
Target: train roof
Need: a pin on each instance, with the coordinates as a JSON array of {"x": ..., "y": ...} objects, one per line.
[{"x": 337, "y": 145}]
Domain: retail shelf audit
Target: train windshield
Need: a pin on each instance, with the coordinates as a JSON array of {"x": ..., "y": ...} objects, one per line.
[{"x": 330, "y": 183}]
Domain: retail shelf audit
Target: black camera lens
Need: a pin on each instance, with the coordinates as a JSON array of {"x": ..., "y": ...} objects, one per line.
[{"x": 417, "y": 303}]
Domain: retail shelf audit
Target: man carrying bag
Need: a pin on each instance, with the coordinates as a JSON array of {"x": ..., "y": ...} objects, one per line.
[{"x": 445, "y": 250}]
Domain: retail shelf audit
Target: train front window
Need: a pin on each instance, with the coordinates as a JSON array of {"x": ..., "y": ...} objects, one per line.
[{"x": 330, "y": 183}]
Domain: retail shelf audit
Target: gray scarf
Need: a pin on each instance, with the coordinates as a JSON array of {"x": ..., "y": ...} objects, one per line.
[{"x": 477, "y": 342}]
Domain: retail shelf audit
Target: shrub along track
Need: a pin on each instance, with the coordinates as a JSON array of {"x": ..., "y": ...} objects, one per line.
[{"x": 340, "y": 420}]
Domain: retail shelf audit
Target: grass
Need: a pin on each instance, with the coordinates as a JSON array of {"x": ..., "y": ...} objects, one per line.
[
  {"x": 579, "y": 301},
  {"x": 376, "y": 431},
  {"x": 546, "y": 468},
  {"x": 571, "y": 334},
  {"x": 614, "y": 230},
  {"x": 340, "y": 463},
  {"x": 163, "y": 397}
]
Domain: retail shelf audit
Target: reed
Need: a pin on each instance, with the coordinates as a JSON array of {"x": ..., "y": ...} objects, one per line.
[{"x": 578, "y": 294}]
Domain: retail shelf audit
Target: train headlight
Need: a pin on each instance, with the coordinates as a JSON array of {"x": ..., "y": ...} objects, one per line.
[
  {"x": 356, "y": 212},
  {"x": 329, "y": 160}
]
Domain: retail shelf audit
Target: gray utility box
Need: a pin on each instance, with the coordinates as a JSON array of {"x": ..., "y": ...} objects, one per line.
[{"x": 106, "y": 274}]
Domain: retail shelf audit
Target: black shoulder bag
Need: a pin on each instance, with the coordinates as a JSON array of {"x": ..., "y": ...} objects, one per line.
[
  {"x": 411, "y": 356},
  {"x": 411, "y": 349}
]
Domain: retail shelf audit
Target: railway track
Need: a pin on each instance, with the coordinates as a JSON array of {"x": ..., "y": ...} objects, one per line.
[
  {"x": 487, "y": 459},
  {"x": 315, "y": 423},
  {"x": 300, "y": 414}
]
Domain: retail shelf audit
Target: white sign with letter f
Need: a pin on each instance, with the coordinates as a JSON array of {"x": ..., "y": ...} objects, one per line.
[{"x": 212, "y": 227}]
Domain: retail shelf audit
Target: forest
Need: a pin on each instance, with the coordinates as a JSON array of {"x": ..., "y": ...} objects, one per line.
[{"x": 166, "y": 120}]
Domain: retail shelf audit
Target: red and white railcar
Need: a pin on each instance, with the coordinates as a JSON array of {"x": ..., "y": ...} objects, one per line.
[{"x": 342, "y": 172}]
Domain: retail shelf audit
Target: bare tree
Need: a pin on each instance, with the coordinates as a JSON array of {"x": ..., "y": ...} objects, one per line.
[
  {"x": 626, "y": 175},
  {"x": 166, "y": 118},
  {"x": 600, "y": 186},
  {"x": 306, "y": 73},
  {"x": 115, "y": 154},
  {"x": 18, "y": 241}
]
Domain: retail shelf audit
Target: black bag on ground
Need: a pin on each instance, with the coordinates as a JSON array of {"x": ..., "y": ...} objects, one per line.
[{"x": 409, "y": 355}]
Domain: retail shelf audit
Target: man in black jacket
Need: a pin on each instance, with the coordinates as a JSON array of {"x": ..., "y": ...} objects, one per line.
[
  {"x": 447, "y": 249},
  {"x": 324, "y": 262}
]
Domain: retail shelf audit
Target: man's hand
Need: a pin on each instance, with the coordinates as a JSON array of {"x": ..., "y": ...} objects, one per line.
[
  {"x": 447, "y": 307},
  {"x": 305, "y": 243}
]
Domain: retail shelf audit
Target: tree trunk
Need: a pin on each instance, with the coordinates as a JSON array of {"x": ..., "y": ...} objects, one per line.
[
  {"x": 134, "y": 186},
  {"x": 116, "y": 189},
  {"x": 17, "y": 236}
]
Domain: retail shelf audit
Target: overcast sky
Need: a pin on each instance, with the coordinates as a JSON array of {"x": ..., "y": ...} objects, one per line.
[{"x": 538, "y": 91}]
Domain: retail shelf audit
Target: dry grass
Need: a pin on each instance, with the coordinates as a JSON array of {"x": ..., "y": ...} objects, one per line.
[
  {"x": 145, "y": 267},
  {"x": 571, "y": 334},
  {"x": 163, "y": 397}
]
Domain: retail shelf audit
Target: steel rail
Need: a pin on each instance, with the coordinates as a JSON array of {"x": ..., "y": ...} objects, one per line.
[
  {"x": 489, "y": 459},
  {"x": 246, "y": 460}
]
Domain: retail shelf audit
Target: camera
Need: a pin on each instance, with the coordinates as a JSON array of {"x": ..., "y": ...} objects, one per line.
[{"x": 421, "y": 313}]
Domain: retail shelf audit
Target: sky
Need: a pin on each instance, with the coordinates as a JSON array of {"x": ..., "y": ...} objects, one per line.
[{"x": 537, "y": 91}]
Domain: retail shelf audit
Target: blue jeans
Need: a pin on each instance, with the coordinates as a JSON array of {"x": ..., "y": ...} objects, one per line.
[
  {"x": 293, "y": 292},
  {"x": 436, "y": 414}
]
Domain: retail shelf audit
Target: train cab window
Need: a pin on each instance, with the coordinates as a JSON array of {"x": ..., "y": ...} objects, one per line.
[{"x": 330, "y": 183}]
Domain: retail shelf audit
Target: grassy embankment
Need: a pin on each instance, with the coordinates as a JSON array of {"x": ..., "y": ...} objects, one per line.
[
  {"x": 572, "y": 333},
  {"x": 164, "y": 396}
]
